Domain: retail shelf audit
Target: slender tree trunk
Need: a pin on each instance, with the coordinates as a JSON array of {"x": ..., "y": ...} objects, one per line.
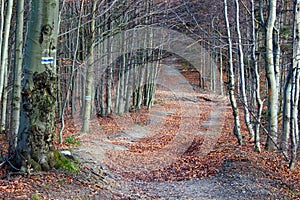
[
  {"x": 73, "y": 92},
  {"x": 277, "y": 58},
  {"x": 295, "y": 90},
  {"x": 70, "y": 80},
  {"x": 16, "y": 98},
  {"x": 221, "y": 73},
  {"x": 90, "y": 75},
  {"x": 130, "y": 76},
  {"x": 286, "y": 118},
  {"x": 109, "y": 69},
  {"x": 102, "y": 49},
  {"x": 4, "y": 53},
  {"x": 213, "y": 70},
  {"x": 258, "y": 100},
  {"x": 4, "y": 101},
  {"x": 235, "y": 110},
  {"x": 2, "y": 22},
  {"x": 242, "y": 75},
  {"x": 271, "y": 78},
  {"x": 121, "y": 82}
]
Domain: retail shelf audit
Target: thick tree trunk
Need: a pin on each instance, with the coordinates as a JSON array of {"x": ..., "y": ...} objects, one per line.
[{"x": 35, "y": 145}]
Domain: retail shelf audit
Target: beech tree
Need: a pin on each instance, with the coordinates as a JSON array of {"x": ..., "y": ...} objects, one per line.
[
  {"x": 291, "y": 94},
  {"x": 4, "y": 49},
  {"x": 242, "y": 74},
  {"x": 258, "y": 100},
  {"x": 35, "y": 138},
  {"x": 89, "y": 75},
  {"x": 271, "y": 78},
  {"x": 231, "y": 77},
  {"x": 16, "y": 98}
]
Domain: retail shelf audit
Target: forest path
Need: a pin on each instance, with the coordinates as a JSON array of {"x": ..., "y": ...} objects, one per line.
[
  {"x": 181, "y": 107},
  {"x": 137, "y": 156}
]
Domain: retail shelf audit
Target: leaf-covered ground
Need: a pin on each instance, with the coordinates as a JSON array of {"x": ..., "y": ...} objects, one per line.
[
  {"x": 236, "y": 168},
  {"x": 112, "y": 158}
]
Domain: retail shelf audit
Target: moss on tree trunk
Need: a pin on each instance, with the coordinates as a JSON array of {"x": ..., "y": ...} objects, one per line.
[
  {"x": 35, "y": 139},
  {"x": 35, "y": 142}
]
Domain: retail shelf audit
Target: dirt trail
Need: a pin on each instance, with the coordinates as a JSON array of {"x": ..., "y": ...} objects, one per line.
[{"x": 114, "y": 154}]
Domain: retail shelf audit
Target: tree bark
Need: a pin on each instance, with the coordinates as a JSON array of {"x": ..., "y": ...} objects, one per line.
[
  {"x": 35, "y": 138},
  {"x": 16, "y": 98},
  {"x": 89, "y": 76},
  {"x": 231, "y": 86},
  {"x": 221, "y": 73},
  {"x": 258, "y": 100},
  {"x": 4, "y": 52},
  {"x": 271, "y": 78},
  {"x": 294, "y": 128},
  {"x": 242, "y": 75}
]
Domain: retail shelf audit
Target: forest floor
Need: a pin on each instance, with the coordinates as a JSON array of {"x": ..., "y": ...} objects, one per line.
[{"x": 182, "y": 148}]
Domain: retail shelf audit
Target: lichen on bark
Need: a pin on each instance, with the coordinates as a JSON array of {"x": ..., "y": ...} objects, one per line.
[
  {"x": 35, "y": 137},
  {"x": 39, "y": 113}
]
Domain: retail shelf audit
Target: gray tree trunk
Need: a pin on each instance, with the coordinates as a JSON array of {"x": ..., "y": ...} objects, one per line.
[
  {"x": 242, "y": 74},
  {"x": 258, "y": 100},
  {"x": 16, "y": 96},
  {"x": 4, "y": 52},
  {"x": 231, "y": 83},
  {"x": 70, "y": 80},
  {"x": 89, "y": 76},
  {"x": 221, "y": 73},
  {"x": 271, "y": 78},
  {"x": 35, "y": 138},
  {"x": 1, "y": 27},
  {"x": 294, "y": 130},
  {"x": 286, "y": 118},
  {"x": 4, "y": 101}
]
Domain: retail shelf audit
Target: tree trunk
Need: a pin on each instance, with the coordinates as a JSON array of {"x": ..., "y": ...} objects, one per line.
[
  {"x": 71, "y": 76},
  {"x": 16, "y": 98},
  {"x": 271, "y": 78},
  {"x": 221, "y": 73},
  {"x": 4, "y": 101},
  {"x": 231, "y": 86},
  {"x": 4, "y": 53},
  {"x": 258, "y": 100},
  {"x": 1, "y": 27},
  {"x": 294, "y": 132},
  {"x": 35, "y": 138},
  {"x": 89, "y": 76},
  {"x": 242, "y": 75}
]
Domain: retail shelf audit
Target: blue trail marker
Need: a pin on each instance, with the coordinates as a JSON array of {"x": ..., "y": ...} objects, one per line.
[{"x": 47, "y": 60}]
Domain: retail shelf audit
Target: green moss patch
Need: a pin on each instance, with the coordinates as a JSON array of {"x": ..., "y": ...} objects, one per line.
[{"x": 61, "y": 162}]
